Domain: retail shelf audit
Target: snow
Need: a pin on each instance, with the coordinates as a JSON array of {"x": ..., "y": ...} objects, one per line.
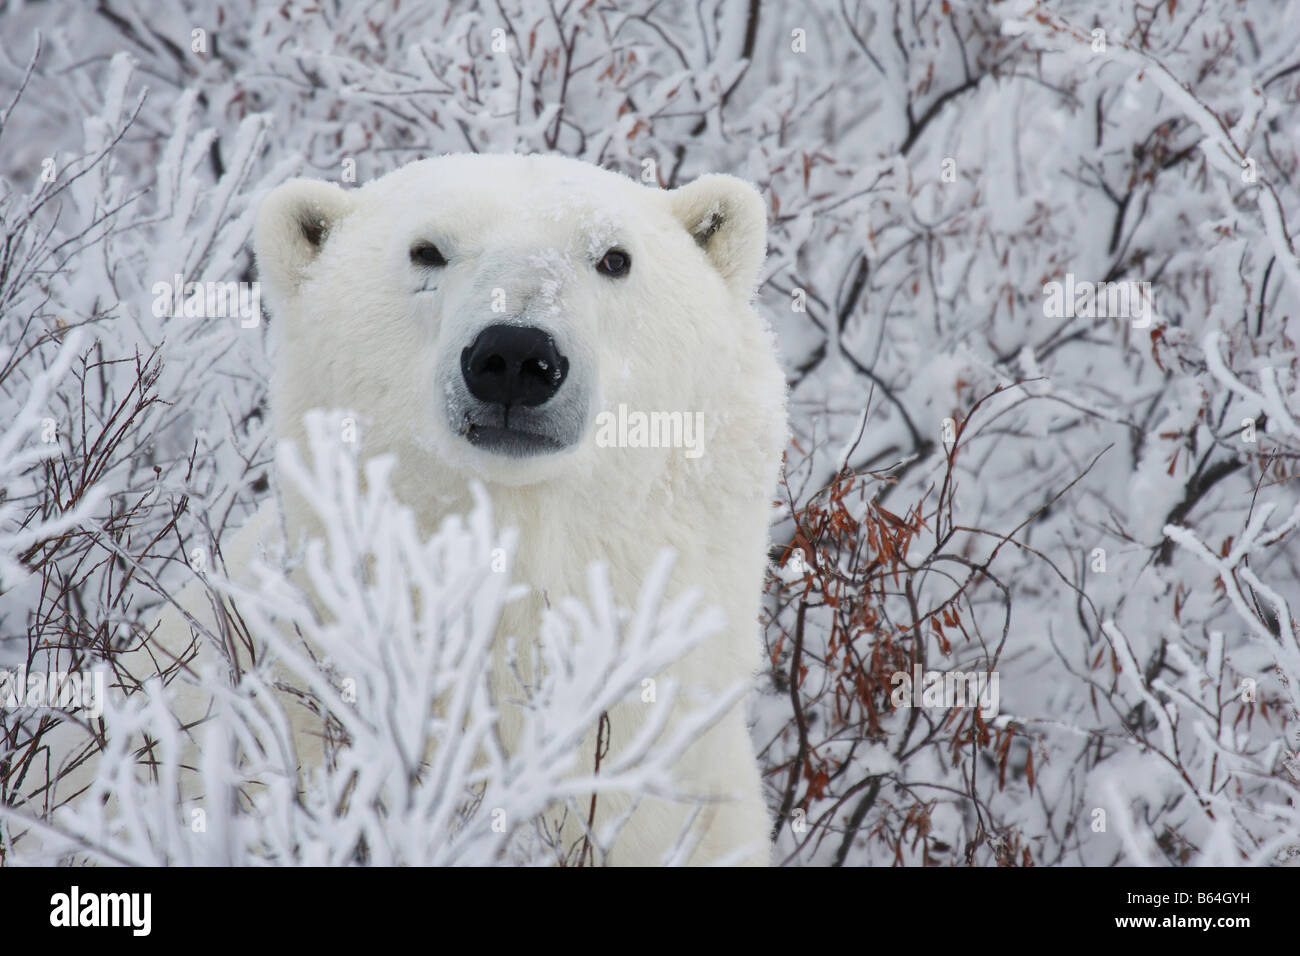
[{"x": 923, "y": 296}]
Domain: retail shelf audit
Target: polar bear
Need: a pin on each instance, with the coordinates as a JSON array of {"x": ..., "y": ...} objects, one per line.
[{"x": 523, "y": 322}]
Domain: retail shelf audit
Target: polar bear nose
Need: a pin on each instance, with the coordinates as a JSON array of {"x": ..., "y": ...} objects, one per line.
[{"x": 513, "y": 365}]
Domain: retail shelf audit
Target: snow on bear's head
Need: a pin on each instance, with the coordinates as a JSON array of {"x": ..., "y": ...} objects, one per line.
[{"x": 484, "y": 310}]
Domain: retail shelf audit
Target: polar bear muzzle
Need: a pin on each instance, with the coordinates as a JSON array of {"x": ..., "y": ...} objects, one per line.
[
  {"x": 511, "y": 373},
  {"x": 513, "y": 365}
]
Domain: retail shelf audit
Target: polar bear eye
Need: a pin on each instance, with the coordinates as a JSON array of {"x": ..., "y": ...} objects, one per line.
[
  {"x": 427, "y": 254},
  {"x": 614, "y": 263}
]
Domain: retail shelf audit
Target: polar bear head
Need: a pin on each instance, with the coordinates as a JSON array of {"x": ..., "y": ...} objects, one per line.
[{"x": 486, "y": 309}]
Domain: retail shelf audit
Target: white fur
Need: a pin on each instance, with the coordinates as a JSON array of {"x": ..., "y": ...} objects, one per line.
[{"x": 359, "y": 326}]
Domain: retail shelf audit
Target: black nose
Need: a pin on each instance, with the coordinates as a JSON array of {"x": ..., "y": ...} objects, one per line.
[{"x": 513, "y": 365}]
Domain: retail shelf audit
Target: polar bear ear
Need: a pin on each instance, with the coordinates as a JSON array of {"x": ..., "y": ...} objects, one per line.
[
  {"x": 728, "y": 220},
  {"x": 292, "y": 226}
]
